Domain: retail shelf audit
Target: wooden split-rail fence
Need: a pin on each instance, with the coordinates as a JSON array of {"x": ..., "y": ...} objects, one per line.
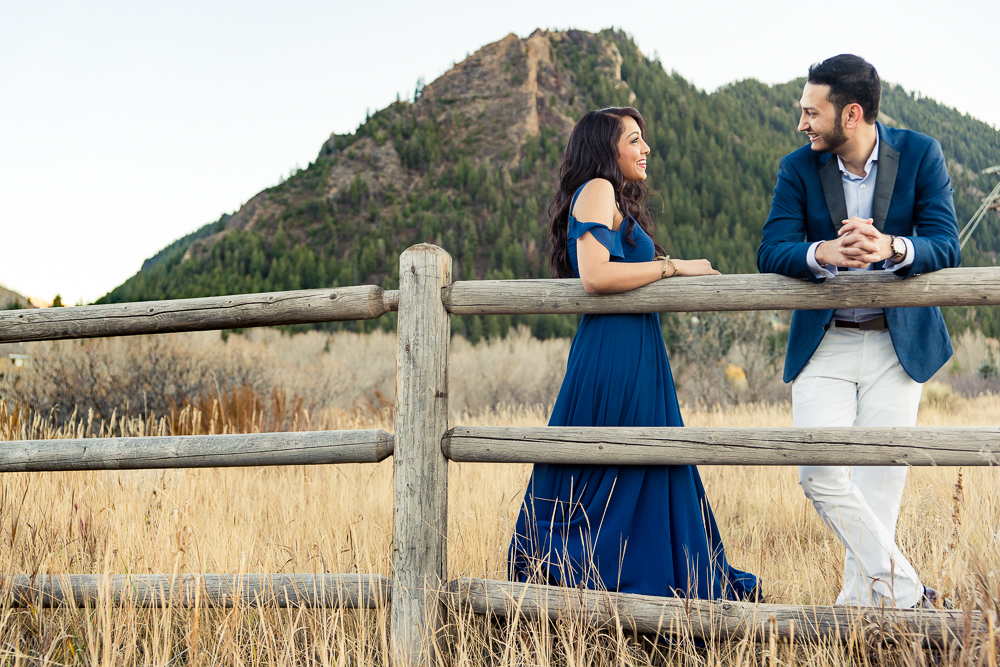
[{"x": 418, "y": 591}]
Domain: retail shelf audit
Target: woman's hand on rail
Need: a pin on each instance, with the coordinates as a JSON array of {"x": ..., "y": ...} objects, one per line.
[{"x": 693, "y": 267}]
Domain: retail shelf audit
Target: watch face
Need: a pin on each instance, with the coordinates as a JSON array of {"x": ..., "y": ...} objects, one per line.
[{"x": 898, "y": 246}]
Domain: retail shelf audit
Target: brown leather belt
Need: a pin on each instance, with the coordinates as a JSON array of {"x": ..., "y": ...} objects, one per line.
[{"x": 875, "y": 324}]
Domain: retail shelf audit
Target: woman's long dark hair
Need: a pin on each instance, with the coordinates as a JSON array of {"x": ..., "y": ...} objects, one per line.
[{"x": 592, "y": 152}]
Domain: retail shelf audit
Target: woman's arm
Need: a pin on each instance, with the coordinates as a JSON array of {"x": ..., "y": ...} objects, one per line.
[{"x": 597, "y": 272}]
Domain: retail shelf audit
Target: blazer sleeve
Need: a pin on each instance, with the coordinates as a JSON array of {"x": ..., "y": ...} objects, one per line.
[
  {"x": 935, "y": 223},
  {"x": 783, "y": 246}
]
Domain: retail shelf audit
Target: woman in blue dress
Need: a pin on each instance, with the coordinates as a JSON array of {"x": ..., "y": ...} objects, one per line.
[{"x": 631, "y": 529}]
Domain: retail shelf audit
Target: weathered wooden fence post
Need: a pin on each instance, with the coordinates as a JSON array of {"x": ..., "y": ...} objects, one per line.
[{"x": 420, "y": 470}]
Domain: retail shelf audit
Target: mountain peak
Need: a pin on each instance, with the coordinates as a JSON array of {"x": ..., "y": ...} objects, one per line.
[{"x": 483, "y": 109}]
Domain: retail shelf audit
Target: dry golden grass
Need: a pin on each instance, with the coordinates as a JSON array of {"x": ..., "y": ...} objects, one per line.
[{"x": 339, "y": 519}]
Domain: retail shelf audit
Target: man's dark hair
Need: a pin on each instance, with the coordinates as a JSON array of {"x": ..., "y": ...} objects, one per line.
[{"x": 852, "y": 79}]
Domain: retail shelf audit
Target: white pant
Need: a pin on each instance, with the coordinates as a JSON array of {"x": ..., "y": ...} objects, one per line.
[{"x": 854, "y": 379}]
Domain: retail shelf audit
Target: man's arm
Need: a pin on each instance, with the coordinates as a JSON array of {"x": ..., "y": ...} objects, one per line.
[
  {"x": 783, "y": 248},
  {"x": 935, "y": 224}
]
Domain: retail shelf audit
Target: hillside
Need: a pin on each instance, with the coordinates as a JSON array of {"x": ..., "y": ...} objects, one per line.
[
  {"x": 11, "y": 300},
  {"x": 471, "y": 163}
]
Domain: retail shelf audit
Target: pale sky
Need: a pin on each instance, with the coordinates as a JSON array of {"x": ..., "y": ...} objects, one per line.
[{"x": 125, "y": 125}]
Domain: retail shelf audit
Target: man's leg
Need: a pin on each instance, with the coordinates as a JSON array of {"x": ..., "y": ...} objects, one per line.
[
  {"x": 887, "y": 396},
  {"x": 826, "y": 394},
  {"x": 882, "y": 488}
]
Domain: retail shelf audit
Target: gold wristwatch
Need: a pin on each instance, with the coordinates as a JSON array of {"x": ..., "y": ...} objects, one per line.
[{"x": 898, "y": 246}]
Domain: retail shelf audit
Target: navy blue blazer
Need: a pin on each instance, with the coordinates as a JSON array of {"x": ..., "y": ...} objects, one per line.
[{"x": 913, "y": 198}]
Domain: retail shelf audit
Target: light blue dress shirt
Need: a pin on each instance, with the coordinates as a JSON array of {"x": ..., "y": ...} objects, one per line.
[{"x": 859, "y": 191}]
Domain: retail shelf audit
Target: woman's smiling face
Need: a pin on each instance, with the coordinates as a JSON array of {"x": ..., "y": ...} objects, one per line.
[{"x": 632, "y": 151}]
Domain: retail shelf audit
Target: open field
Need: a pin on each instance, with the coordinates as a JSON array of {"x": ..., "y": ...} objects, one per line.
[{"x": 339, "y": 518}]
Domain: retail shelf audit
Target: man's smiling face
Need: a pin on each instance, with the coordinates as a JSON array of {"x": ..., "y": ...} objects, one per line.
[{"x": 820, "y": 119}]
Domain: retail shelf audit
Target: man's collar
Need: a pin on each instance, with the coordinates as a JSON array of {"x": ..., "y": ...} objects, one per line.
[{"x": 871, "y": 158}]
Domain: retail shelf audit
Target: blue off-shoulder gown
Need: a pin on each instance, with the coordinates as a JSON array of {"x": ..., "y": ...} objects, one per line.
[{"x": 631, "y": 529}]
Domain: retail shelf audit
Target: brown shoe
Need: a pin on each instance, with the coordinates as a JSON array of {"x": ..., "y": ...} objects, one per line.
[{"x": 931, "y": 599}]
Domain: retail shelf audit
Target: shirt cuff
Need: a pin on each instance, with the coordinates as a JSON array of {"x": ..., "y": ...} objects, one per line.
[
  {"x": 829, "y": 271},
  {"x": 892, "y": 266}
]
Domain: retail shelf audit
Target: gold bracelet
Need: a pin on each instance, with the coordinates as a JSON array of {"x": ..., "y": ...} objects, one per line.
[{"x": 666, "y": 260}]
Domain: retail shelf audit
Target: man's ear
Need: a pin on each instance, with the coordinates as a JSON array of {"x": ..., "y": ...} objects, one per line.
[{"x": 853, "y": 115}]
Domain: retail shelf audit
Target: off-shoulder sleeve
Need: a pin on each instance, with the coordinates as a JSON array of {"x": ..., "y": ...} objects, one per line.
[{"x": 609, "y": 239}]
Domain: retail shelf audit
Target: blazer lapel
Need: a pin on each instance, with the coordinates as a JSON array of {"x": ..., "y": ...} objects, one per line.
[
  {"x": 833, "y": 191},
  {"x": 885, "y": 181}
]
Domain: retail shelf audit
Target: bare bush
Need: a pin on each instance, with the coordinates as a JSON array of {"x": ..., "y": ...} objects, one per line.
[
  {"x": 729, "y": 358},
  {"x": 143, "y": 374},
  {"x": 157, "y": 374},
  {"x": 340, "y": 370},
  {"x": 516, "y": 370},
  {"x": 267, "y": 375},
  {"x": 974, "y": 369}
]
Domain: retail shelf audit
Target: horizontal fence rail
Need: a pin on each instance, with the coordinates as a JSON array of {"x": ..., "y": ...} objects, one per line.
[
  {"x": 366, "y": 302},
  {"x": 353, "y": 591},
  {"x": 954, "y": 287},
  {"x": 684, "y": 445},
  {"x": 857, "y": 289},
  {"x": 705, "y": 619},
  {"x": 197, "y": 451}
]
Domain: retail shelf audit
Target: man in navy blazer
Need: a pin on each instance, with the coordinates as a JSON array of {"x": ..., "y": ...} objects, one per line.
[{"x": 861, "y": 196}]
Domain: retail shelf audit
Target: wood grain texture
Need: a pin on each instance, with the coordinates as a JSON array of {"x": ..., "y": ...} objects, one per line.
[
  {"x": 218, "y": 312},
  {"x": 857, "y": 289},
  {"x": 197, "y": 451},
  {"x": 710, "y": 619},
  {"x": 918, "y": 446},
  {"x": 355, "y": 591},
  {"x": 420, "y": 470}
]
